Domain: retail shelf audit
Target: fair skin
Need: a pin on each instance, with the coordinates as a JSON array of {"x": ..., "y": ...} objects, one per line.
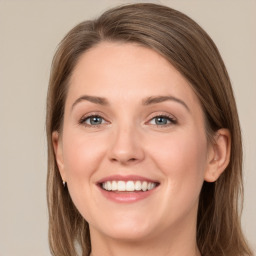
[{"x": 131, "y": 116}]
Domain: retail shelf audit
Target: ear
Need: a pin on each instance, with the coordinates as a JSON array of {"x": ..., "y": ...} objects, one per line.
[
  {"x": 57, "y": 145},
  {"x": 218, "y": 155}
]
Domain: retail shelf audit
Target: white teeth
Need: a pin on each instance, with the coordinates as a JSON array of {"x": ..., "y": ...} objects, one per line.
[
  {"x": 120, "y": 186},
  {"x": 144, "y": 185},
  {"x": 137, "y": 185},
  {"x": 114, "y": 186},
  {"x": 130, "y": 186},
  {"x": 108, "y": 185}
]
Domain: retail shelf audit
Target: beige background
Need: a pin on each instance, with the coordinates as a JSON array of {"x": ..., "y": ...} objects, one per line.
[{"x": 29, "y": 34}]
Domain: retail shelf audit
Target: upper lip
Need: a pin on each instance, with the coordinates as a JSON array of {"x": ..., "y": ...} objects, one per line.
[{"x": 126, "y": 178}]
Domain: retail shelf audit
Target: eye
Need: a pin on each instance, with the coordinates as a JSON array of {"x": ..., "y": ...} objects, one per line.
[
  {"x": 162, "y": 120},
  {"x": 93, "y": 120}
]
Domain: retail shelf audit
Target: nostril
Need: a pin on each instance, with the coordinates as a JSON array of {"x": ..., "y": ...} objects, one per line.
[
  {"x": 129, "y": 160},
  {"x": 123, "y": 160}
]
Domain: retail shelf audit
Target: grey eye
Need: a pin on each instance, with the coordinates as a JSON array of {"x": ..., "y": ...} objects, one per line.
[
  {"x": 160, "y": 120},
  {"x": 94, "y": 120}
]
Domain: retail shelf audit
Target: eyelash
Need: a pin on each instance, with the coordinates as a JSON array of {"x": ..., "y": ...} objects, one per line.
[
  {"x": 84, "y": 119},
  {"x": 170, "y": 119}
]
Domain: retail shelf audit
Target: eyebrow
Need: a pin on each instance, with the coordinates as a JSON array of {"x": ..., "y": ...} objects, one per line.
[
  {"x": 93, "y": 99},
  {"x": 159, "y": 99},
  {"x": 145, "y": 102}
]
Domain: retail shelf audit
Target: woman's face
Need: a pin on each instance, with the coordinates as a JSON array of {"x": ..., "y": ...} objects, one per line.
[{"x": 133, "y": 148}]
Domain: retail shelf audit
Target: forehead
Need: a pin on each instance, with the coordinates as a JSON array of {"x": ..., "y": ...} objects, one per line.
[{"x": 117, "y": 69}]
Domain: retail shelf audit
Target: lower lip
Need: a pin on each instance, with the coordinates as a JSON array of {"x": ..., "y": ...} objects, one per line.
[{"x": 126, "y": 197}]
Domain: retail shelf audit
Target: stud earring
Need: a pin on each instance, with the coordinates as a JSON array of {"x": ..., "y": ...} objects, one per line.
[{"x": 64, "y": 183}]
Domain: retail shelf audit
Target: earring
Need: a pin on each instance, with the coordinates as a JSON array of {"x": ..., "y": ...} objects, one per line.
[{"x": 64, "y": 183}]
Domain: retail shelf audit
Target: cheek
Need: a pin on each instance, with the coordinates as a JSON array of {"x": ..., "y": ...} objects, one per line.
[
  {"x": 182, "y": 159},
  {"x": 81, "y": 154}
]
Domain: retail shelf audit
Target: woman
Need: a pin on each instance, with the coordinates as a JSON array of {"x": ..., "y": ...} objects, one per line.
[{"x": 144, "y": 143}]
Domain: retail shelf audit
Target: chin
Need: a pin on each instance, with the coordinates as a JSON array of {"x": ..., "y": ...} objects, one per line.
[
  {"x": 126, "y": 228},
  {"x": 129, "y": 234}
]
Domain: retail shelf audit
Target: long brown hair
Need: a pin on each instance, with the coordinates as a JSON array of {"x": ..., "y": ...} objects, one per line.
[{"x": 192, "y": 52}]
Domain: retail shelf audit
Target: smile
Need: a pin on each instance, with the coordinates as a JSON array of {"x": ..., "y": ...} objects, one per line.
[{"x": 128, "y": 186}]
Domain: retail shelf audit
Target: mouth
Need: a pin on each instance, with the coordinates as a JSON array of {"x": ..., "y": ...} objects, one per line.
[
  {"x": 128, "y": 186},
  {"x": 127, "y": 189}
]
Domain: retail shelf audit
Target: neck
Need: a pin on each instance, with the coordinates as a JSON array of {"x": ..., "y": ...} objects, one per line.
[{"x": 149, "y": 249}]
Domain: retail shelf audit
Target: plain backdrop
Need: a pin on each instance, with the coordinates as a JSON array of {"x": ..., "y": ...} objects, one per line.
[{"x": 29, "y": 34}]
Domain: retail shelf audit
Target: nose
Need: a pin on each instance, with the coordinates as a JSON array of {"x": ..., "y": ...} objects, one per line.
[{"x": 126, "y": 146}]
